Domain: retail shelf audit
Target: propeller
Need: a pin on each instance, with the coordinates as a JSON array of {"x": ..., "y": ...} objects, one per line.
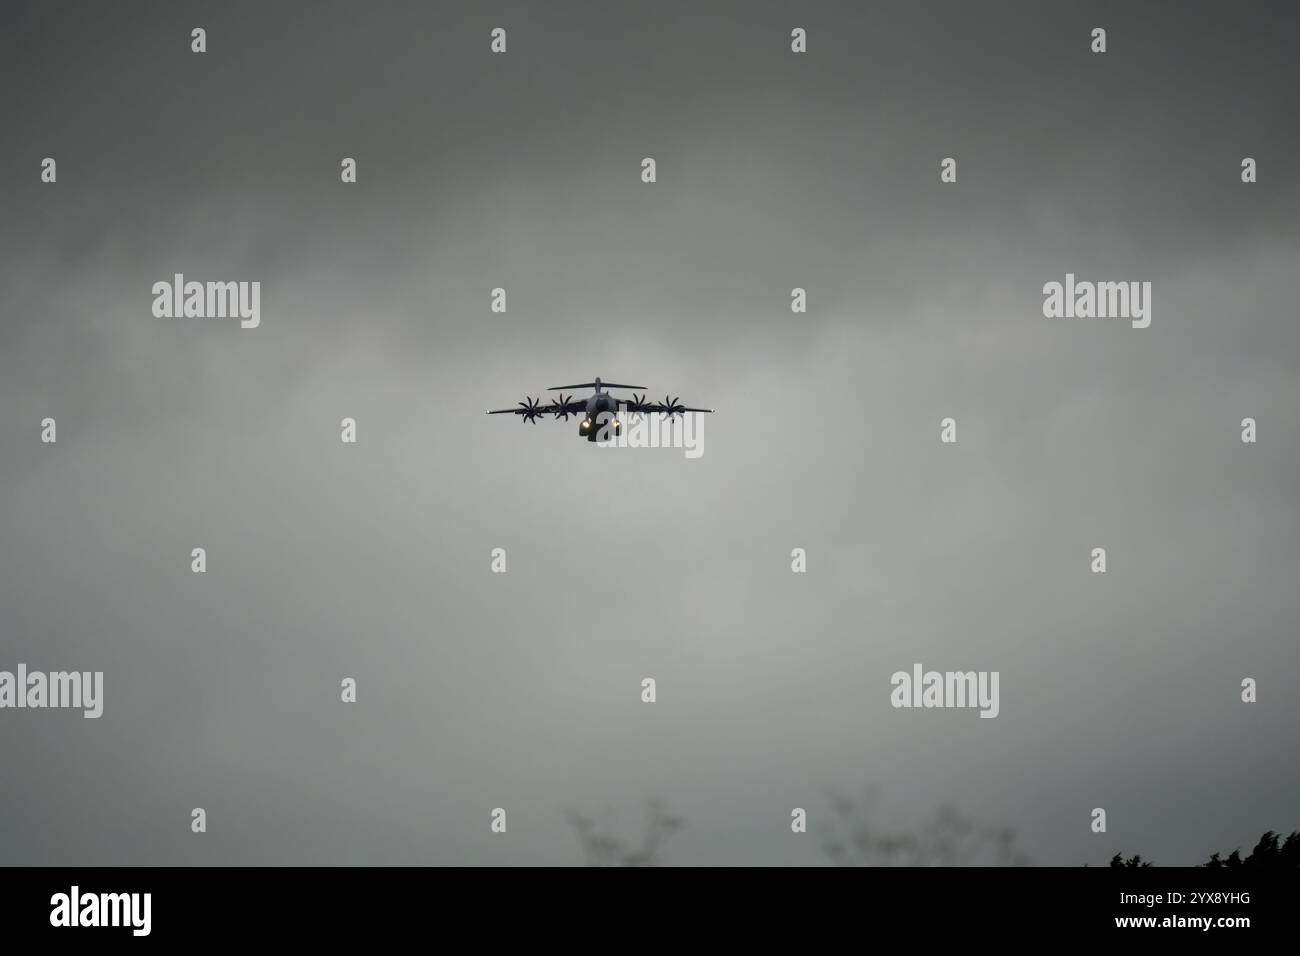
[
  {"x": 560, "y": 407},
  {"x": 638, "y": 403},
  {"x": 530, "y": 410},
  {"x": 670, "y": 406}
]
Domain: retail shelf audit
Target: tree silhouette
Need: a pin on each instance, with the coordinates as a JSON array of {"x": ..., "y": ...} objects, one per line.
[
  {"x": 601, "y": 848},
  {"x": 848, "y": 839},
  {"x": 946, "y": 839},
  {"x": 1270, "y": 853}
]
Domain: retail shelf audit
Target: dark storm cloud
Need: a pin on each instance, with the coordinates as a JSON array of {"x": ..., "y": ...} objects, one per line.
[{"x": 522, "y": 690}]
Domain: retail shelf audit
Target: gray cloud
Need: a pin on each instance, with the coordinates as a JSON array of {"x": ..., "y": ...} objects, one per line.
[{"x": 522, "y": 690}]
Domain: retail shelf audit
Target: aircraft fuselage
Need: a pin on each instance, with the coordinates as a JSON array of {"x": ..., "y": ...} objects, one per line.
[{"x": 602, "y": 411}]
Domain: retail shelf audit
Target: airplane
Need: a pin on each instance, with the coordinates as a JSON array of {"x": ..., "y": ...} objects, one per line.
[{"x": 599, "y": 411}]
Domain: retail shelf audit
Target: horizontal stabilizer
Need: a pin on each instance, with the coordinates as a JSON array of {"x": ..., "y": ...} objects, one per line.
[{"x": 560, "y": 388}]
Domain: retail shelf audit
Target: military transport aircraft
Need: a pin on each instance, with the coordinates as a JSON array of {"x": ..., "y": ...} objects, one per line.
[{"x": 598, "y": 412}]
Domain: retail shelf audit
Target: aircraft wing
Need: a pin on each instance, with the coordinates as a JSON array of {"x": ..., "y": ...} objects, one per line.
[
  {"x": 576, "y": 406},
  {"x": 638, "y": 403}
]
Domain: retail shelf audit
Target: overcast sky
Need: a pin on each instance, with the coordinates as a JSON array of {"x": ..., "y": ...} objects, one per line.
[{"x": 775, "y": 170}]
